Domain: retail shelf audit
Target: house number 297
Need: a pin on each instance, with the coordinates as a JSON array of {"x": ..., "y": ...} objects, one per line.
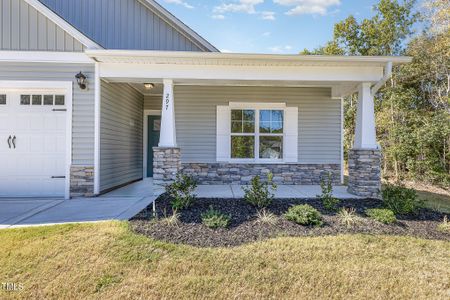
[{"x": 167, "y": 101}]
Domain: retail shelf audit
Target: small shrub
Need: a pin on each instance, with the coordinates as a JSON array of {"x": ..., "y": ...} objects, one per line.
[
  {"x": 215, "y": 219},
  {"x": 265, "y": 217},
  {"x": 172, "y": 220},
  {"x": 385, "y": 216},
  {"x": 444, "y": 226},
  {"x": 348, "y": 217},
  {"x": 401, "y": 200},
  {"x": 304, "y": 214},
  {"x": 259, "y": 194},
  {"x": 181, "y": 191},
  {"x": 328, "y": 201}
]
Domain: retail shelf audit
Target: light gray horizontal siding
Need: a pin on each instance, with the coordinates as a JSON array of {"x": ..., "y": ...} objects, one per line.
[
  {"x": 83, "y": 100},
  {"x": 319, "y": 119},
  {"x": 152, "y": 102},
  {"x": 24, "y": 28},
  {"x": 122, "y": 24},
  {"x": 121, "y": 129}
]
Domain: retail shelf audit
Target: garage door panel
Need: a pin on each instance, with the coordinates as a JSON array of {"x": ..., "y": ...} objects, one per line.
[{"x": 40, "y": 151}]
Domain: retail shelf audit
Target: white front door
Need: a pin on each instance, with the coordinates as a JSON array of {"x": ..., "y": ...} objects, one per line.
[{"x": 32, "y": 143}]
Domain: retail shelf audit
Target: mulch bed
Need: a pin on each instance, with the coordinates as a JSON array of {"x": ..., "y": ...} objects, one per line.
[{"x": 244, "y": 228}]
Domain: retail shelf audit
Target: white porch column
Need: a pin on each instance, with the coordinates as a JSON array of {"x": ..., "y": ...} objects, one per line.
[
  {"x": 365, "y": 133},
  {"x": 167, "y": 137}
]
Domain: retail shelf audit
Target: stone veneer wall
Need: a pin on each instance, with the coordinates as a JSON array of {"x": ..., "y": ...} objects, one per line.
[
  {"x": 81, "y": 181},
  {"x": 364, "y": 169},
  {"x": 228, "y": 173},
  {"x": 166, "y": 164}
]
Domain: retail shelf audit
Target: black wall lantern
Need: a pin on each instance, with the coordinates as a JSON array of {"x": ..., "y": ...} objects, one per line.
[{"x": 81, "y": 79}]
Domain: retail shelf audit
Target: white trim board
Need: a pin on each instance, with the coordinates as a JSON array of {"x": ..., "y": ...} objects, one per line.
[
  {"x": 67, "y": 88},
  {"x": 45, "y": 57},
  {"x": 147, "y": 112}
]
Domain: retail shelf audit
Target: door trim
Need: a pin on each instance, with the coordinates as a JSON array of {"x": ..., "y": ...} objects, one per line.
[
  {"x": 66, "y": 88},
  {"x": 147, "y": 112}
]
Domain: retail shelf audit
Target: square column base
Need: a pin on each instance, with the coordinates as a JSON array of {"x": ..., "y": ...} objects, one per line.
[
  {"x": 364, "y": 170},
  {"x": 166, "y": 165}
]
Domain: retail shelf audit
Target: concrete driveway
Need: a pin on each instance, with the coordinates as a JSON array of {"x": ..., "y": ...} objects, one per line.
[{"x": 32, "y": 212}]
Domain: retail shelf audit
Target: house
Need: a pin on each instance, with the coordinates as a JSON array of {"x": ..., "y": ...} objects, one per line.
[{"x": 95, "y": 96}]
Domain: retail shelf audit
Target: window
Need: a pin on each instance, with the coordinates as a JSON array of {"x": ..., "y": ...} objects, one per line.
[
  {"x": 25, "y": 99},
  {"x": 59, "y": 99},
  {"x": 2, "y": 99},
  {"x": 257, "y": 133},
  {"x": 48, "y": 99},
  {"x": 36, "y": 100}
]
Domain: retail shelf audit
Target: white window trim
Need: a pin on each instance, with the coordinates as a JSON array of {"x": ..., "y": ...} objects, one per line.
[{"x": 257, "y": 107}]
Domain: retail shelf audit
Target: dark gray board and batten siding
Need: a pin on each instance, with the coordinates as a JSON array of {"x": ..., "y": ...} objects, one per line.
[
  {"x": 123, "y": 24},
  {"x": 24, "y": 28}
]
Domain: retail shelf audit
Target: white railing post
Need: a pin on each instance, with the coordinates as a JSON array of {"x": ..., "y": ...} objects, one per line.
[
  {"x": 365, "y": 132},
  {"x": 167, "y": 137}
]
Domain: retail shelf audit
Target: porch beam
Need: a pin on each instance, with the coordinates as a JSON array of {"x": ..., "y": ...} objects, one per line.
[
  {"x": 365, "y": 133},
  {"x": 331, "y": 74},
  {"x": 167, "y": 137}
]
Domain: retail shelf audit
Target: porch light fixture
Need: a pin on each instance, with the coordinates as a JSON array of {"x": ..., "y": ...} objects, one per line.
[
  {"x": 149, "y": 86},
  {"x": 81, "y": 80}
]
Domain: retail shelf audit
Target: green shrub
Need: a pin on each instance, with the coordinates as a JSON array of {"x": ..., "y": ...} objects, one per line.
[
  {"x": 215, "y": 219},
  {"x": 259, "y": 194},
  {"x": 348, "y": 217},
  {"x": 181, "y": 192},
  {"x": 304, "y": 214},
  {"x": 328, "y": 201},
  {"x": 401, "y": 200},
  {"x": 382, "y": 215},
  {"x": 444, "y": 226}
]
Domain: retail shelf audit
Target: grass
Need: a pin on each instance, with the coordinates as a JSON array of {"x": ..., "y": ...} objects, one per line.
[
  {"x": 435, "y": 201},
  {"x": 107, "y": 261}
]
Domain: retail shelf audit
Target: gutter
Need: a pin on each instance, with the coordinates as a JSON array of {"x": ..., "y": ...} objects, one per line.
[{"x": 387, "y": 75}]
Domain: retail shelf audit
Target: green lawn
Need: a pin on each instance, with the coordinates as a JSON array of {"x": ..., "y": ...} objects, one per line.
[
  {"x": 107, "y": 261},
  {"x": 435, "y": 201}
]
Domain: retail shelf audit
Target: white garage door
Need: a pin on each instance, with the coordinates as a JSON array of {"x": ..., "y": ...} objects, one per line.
[{"x": 32, "y": 143}]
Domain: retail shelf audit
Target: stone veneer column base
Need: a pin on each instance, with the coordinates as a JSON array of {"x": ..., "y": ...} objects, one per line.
[
  {"x": 81, "y": 181},
  {"x": 166, "y": 165},
  {"x": 364, "y": 169},
  {"x": 289, "y": 173}
]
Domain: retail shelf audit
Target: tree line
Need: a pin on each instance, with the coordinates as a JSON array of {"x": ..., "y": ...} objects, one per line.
[{"x": 413, "y": 108}]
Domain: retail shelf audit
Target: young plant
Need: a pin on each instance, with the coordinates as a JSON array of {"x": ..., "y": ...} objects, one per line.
[
  {"x": 265, "y": 217},
  {"x": 348, "y": 217},
  {"x": 444, "y": 226},
  {"x": 385, "y": 216},
  {"x": 215, "y": 219},
  {"x": 328, "y": 200},
  {"x": 172, "y": 220},
  {"x": 304, "y": 215},
  {"x": 181, "y": 192},
  {"x": 260, "y": 194},
  {"x": 401, "y": 200}
]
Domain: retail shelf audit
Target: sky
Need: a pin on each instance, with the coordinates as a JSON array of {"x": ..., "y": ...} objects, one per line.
[{"x": 266, "y": 26}]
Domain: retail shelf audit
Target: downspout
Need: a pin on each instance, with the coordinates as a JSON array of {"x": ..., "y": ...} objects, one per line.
[{"x": 387, "y": 75}]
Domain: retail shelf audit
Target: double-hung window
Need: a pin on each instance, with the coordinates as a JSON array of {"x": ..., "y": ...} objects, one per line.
[{"x": 257, "y": 134}]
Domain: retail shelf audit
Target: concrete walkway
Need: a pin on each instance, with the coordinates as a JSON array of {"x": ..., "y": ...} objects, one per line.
[
  {"x": 125, "y": 203},
  {"x": 282, "y": 192}
]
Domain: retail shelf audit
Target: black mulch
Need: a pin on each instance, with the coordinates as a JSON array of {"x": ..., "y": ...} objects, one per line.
[{"x": 244, "y": 229}]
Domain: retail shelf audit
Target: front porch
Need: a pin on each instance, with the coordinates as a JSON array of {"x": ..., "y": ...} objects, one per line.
[{"x": 291, "y": 124}]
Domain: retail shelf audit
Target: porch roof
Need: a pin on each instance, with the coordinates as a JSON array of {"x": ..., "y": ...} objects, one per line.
[
  {"x": 341, "y": 73},
  {"x": 239, "y": 59}
]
